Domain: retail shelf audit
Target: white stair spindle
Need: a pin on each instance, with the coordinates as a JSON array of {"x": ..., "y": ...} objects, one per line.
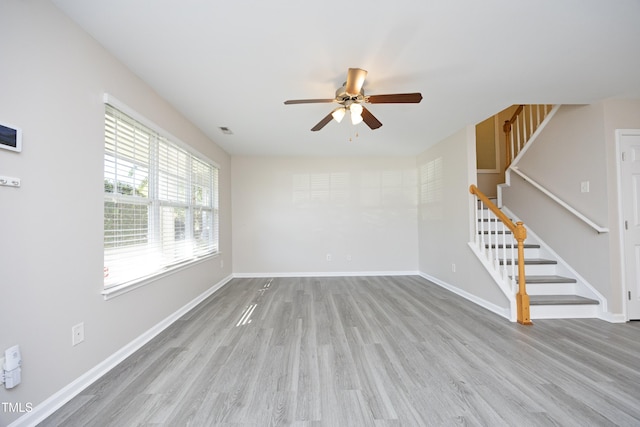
[
  {"x": 512, "y": 141},
  {"x": 476, "y": 238},
  {"x": 513, "y": 262},
  {"x": 481, "y": 226},
  {"x": 531, "y": 127},
  {"x": 489, "y": 238},
  {"x": 520, "y": 131},
  {"x": 517, "y": 123},
  {"x": 505, "y": 274},
  {"x": 494, "y": 239}
]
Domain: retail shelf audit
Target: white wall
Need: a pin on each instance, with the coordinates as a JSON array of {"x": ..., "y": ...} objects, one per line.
[
  {"x": 289, "y": 213},
  {"x": 52, "y": 80},
  {"x": 446, "y": 170}
]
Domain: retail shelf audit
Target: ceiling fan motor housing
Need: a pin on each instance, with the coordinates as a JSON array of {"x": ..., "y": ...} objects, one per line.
[{"x": 346, "y": 99}]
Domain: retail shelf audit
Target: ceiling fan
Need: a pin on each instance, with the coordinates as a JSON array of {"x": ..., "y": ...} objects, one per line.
[{"x": 351, "y": 97}]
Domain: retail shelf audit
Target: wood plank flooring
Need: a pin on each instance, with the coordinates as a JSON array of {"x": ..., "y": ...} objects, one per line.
[{"x": 366, "y": 351}]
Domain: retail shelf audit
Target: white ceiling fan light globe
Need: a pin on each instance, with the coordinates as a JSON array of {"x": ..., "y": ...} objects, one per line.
[
  {"x": 356, "y": 113},
  {"x": 338, "y": 114}
]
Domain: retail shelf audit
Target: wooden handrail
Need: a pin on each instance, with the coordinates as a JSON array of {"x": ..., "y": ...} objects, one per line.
[
  {"x": 520, "y": 234},
  {"x": 515, "y": 115}
]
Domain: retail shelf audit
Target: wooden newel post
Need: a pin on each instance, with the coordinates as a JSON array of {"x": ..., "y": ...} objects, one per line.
[{"x": 522, "y": 299}]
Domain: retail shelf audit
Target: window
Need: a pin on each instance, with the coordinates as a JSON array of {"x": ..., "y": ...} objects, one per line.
[{"x": 160, "y": 205}]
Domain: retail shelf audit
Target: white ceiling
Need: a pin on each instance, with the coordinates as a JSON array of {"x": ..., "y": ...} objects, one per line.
[{"x": 233, "y": 63}]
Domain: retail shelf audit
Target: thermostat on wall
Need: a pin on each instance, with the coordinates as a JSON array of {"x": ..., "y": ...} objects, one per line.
[{"x": 10, "y": 137}]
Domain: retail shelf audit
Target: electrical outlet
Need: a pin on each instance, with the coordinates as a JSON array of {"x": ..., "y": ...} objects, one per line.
[
  {"x": 77, "y": 334},
  {"x": 349, "y": 257},
  {"x": 453, "y": 268},
  {"x": 328, "y": 257}
]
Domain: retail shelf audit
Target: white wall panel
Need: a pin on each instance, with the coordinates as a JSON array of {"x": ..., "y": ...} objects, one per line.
[{"x": 290, "y": 213}]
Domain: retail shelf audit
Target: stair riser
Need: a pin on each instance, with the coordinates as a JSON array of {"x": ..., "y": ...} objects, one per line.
[
  {"x": 497, "y": 237},
  {"x": 491, "y": 226},
  {"x": 506, "y": 253},
  {"x": 530, "y": 270},
  {"x": 563, "y": 311},
  {"x": 551, "y": 288},
  {"x": 539, "y": 270}
]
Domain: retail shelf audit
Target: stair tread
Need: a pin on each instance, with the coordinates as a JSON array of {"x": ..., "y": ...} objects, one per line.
[
  {"x": 531, "y": 261},
  {"x": 560, "y": 300},
  {"x": 548, "y": 279}
]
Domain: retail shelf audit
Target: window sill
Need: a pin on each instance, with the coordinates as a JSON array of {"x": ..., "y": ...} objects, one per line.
[{"x": 116, "y": 291}]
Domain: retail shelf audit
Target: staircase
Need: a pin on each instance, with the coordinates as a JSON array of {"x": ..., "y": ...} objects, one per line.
[{"x": 554, "y": 290}]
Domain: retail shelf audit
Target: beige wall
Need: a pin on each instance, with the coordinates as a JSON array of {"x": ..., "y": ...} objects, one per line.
[
  {"x": 578, "y": 145},
  {"x": 52, "y": 80},
  {"x": 445, "y": 172},
  {"x": 289, "y": 213},
  {"x": 570, "y": 150}
]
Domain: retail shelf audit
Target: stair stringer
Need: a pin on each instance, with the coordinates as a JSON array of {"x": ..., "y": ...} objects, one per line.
[{"x": 582, "y": 286}]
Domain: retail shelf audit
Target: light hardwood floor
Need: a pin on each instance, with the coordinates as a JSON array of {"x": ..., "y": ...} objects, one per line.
[{"x": 366, "y": 351}]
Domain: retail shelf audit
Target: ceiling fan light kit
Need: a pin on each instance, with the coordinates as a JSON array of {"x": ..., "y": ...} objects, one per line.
[
  {"x": 338, "y": 114},
  {"x": 351, "y": 97},
  {"x": 356, "y": 113}
]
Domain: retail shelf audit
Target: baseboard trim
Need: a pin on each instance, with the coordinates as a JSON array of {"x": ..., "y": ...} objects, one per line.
[
  {"x": 500, "y": 311},
  {"x": 612, "y": 317},
  {"x": 57, "y": 400},
  {"x": 326, "y": 274}
]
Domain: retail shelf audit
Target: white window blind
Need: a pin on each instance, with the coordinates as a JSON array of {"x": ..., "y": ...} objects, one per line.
[{"x": 161, "y": 202}]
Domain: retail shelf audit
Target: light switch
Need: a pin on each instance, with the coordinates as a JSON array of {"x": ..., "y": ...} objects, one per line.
[{"x": 584, "y": 186}]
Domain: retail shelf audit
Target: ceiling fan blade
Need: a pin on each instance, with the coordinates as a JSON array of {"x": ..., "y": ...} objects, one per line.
[
  {"x": 322, "y": 123},
  {"x": 370, "y": 119},
  {"x": 355, "y": 80},
  {"x": 396, "y": 98},
  {"x": 307, "y": 101}
]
